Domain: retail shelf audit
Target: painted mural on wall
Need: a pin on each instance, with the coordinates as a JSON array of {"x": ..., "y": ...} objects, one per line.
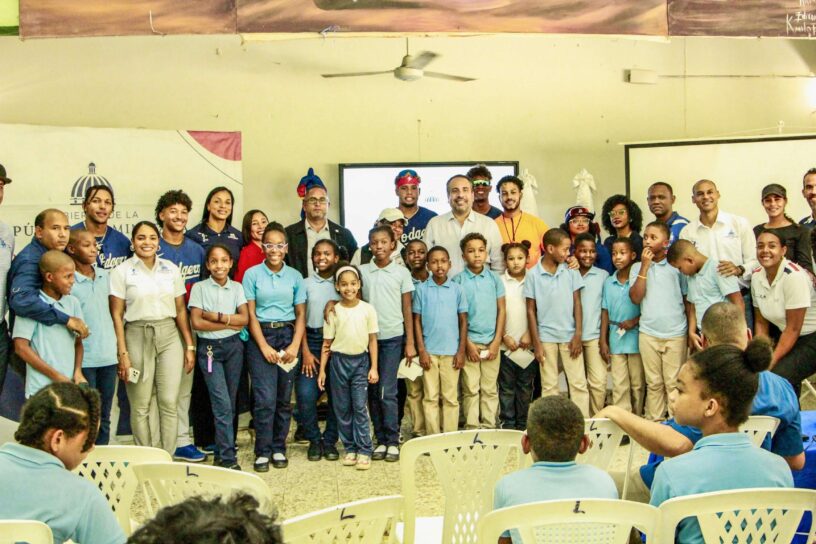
[{"x": 771, "y": 18}]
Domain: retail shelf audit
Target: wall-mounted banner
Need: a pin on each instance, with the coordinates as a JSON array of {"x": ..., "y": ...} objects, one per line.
[{"x": 50, "y": 167}]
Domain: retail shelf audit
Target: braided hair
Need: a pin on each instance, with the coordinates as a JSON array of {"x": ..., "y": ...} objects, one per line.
[{"x": 65, "y": 406}]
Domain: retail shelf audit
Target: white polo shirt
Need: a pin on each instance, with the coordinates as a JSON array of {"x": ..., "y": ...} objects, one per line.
[
  {"x": 148, "y": 294},
  {"x": 444, "y": 230},
  {"x": 516, "y": 306},
  {"x": 792, "y": 288},
  {"x": 730, "y": 238}
]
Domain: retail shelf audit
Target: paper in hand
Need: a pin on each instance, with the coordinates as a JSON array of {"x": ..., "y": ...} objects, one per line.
[
  {"x": 409, "y": 372},
  {"x": 522, "y": 357},
  {"x": 287, "y": 367}
]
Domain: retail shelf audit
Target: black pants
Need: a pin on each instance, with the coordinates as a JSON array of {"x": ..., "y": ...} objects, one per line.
[{"x": 799, "y": 363}]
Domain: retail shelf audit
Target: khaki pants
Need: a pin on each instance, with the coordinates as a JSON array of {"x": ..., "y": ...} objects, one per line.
[
  {"x": 185, "y": 394},
  {"x": 636, "y": 490},
  {"x": 662, "y": 359},
  {"x": 414, "y": 405},
  {"x": 573, "y": 368},
  {"x": 440, "y": 380},
  {"x": 595, "y": 375},
  {"x": 480, "y": 392},
  {"x": 628, "y": 382},
  {"x": 156, "y": 350}
]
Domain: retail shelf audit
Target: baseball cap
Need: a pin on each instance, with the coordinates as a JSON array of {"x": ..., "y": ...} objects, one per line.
[
  {"x": 578, "y": 211},
  {"x": 774, "y": 189},
  {"x": 5, "y": 179},
  {"x": 391, "y": 215}
]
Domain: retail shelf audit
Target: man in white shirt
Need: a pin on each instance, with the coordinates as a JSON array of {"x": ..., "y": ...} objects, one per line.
[
  {"x": 448, "y": 229},
  {"x": 723, "y": 237}
]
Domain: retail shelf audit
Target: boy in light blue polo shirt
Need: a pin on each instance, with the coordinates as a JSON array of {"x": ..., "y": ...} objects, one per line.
[
  {"x": 91, "y": 288},
  {"x": 619, "y": 332},
  {"x": 555, "y": 318},
  {"x": 440, "y": 320},
  {"x": 487, "y": 314},
  {"x": 660, "y": 289},
  {"x": 705, "y": 286},
  {"x": 52, "y": 353},
  {"x": 591, "y": 298},
  {"x": 554, "y": 437}
]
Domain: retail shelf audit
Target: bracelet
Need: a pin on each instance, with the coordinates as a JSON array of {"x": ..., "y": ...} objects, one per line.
[
  {"x": 191, "y": 348},
  {"x": 219, "y": 317},
  {"x": 229, "y": 318},
  {"x": 644, "y": 277}
]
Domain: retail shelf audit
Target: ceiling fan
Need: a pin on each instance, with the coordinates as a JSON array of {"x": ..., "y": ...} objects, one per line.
[{"x": 411, "y": 69}]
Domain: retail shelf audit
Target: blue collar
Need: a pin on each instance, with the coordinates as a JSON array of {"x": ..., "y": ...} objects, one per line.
[
  {"x": 555, "y": 464},
  {"x": 269, "y": 271},
  {"x": 30, "y": 455},
  {"x": 738, "y": 439}
]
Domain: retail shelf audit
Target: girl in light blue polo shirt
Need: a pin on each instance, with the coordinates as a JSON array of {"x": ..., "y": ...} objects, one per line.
[
  {"x": 715, "y": 389},
  {"x": 218, "y": 311}
]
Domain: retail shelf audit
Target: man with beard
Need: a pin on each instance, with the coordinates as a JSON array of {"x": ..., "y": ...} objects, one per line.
[
  {"x": 809, "y": 192},
  {"x": 172, "y": 212},
  {"x": 113, "y": 246},
  {"x": 516, "y": 226},
  {"x": 406, "y": 185},
  {"x": 481, "y": 177},
  {"x": 448, "y": 229},
  {"x": 661, "y": 200}
]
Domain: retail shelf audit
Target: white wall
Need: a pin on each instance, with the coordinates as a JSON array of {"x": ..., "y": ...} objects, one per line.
[{"x": 555, "y": 103}]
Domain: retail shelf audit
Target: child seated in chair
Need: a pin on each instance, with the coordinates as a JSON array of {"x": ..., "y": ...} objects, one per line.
[{"x": 554, "y": 437}]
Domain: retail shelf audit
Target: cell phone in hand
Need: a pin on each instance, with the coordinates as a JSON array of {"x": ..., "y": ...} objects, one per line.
[{"x": 133, "y": 375}]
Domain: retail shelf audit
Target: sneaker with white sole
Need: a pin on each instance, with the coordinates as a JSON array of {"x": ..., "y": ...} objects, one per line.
[
  {"x": 392, "y": 454},
  {"x": 379, "y": 453},
  {"x": 189, "y": 454}
]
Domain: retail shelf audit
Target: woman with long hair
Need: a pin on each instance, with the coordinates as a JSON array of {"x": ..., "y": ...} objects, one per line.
[
  {"x": 795, "y": 236},
  {"x": 216, "y": 224}
]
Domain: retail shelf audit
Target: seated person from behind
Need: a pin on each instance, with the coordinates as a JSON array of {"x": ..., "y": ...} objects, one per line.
[
  {"x": 715, "y": 389},
  {"x": 215, "y": 521},
  {"x": 554, "y": 436},
  {"x": 57, "y": 430},
  {"x": 723, "y": 323}
]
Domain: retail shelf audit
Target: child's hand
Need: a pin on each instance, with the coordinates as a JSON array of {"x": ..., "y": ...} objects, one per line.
[
  {"x": 510, "y": 342},
  {"x": 646, "y": 257},
  {"x": 629, "y": 324},
  {"x": 525, "y": 342},
  {"x": 410, "y": 353},
  {"x": 575, "y": 347},
  {"x": 289, "y": 354},
  {"x": 572, "y": 262},
  {"x": 539, "y": 354},
  {"x": 492, "y": 350},
  {"x": 604, "y": 351},
  {"x": 458, "y": 360},
  {"x": 424, "y": 360},
  {"x": 79, "y": 378},
  {"x": 270, "y": 354},
  {"x": 310, "y": 364},
  {"x": 373, "y": 377},
  {"x": 321, "y": 380},
  {"x": 695, "y": 341},
  {"x": 473, "y": 352}
]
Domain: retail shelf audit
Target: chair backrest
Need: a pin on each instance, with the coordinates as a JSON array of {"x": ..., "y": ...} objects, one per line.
[
  {"x": 468, "y": 464},
  {"x": 172, "y": 483},
  {"x": 604, "y": 440},
  {"x": 745, "y": 515},
  {"x": 32, "y": 532},
  {"x": 7, "y": 429},
  {"x": 758, "y": 427},
  {"x": 600, "y": 521},
  {"x": 110, "y": 469},
  {"x": 369, "y": 521}
]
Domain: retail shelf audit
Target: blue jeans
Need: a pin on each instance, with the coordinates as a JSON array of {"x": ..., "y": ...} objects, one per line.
[
  {"x": 349, "y": 376},
  {"x": 103, "y": 379},
  {"x": 307, "y": 394},
  {"x": 272, "y": 389},
  {"x": 515, "y": 393},
  {"x": 5, "y": 351},
  {"x": 382, "y": 396},
  {"x": 222, "y": 384},
  {"x": 123, "y": 428}
]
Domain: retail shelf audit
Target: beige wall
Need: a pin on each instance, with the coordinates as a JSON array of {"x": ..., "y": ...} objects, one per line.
[{"x": 557, "y": 104}]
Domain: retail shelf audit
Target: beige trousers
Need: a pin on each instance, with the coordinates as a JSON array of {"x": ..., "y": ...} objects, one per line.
[
  {"x": 480, "y": 392},
  {"x": 628, "y": 382},
  {"x": 595, "y": 375},
  {"x": 440, "y": 380},
  {"x": 414, "y": 405},
  {"x": 573, "y": 368},
  {"x": 662, "y": 359},
  {"x": 156, "y": 350}
]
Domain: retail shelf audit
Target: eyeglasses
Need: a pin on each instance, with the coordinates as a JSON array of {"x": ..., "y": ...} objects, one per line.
[
  {"x": 315, "y": 201},
  {"x": 275, "y": 247},
  {"x": 579, "y": 221},
  {"x": 617, "y": 213}
]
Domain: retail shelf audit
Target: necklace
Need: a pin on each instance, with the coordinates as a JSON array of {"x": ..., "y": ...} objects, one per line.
[
  {"x": 99, "y": 243},
  {"x": 512, "y": 225}
]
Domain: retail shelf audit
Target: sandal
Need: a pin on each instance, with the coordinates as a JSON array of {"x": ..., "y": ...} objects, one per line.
[
  {"x": 350, "y": 460},
  {"x": 363, "y": 462}
]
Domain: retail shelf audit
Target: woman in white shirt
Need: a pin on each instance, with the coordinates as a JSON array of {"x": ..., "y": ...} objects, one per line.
[
  {"x": 783, "y": 294},
  {"x": 150, "y": 319}
]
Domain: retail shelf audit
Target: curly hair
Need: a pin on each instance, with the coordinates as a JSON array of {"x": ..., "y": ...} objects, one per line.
[
  {"x": 217, "y": 521},
  {"x": 171, "y": 198},
  {"x": 64, "y": 406},
  {"x": 635, "y": 215}
]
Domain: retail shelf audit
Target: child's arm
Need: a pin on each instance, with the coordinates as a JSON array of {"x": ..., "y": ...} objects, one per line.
[
  {"x": 424, "y": 357},
  {"x": 79, "y": 352},
  {"x": 256, "y": 332},
  {"x": 694, "y": 340},
  {"x": 638, "y": 290},
  {"x": 300, "y": 331},
  {"x": 501, "y": 319},
  {"x": 410, "y": 340},
  {"x": 532, "y": 327},
  {"x": 459, "y": 358},
  {"x": 23, "y": 349},
  {"x": 183, "y": 325},
  {"x": 310, "y": 363},
  {"x": 210, "y": 321},
  {"x": 736, "y": 298},
  {"x": 373, "y": 376},
  {"x": 117, "y": 310},
  {"x": 325, "y": 352},
  {"x": 604, "y": 343},
  {"x": 576, "y": 348}
]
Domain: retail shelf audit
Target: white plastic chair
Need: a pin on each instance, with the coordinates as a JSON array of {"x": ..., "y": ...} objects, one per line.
[
  {"x": 7, "y": 430},
  {"x": 468, "y": 464},
  {"x": 599, "y": 521},
  {"x": 604, "y": 442},
  {"x": 369, "y": 521},
  {"x": 807, "y": 389},
  {"x": 755, "y": 515},
  {"x": 172, "y": 483},
  {"x": 110, "y": 469},
  {"x": 758, "y": 427},
  {"x": 31, "y": 532}
]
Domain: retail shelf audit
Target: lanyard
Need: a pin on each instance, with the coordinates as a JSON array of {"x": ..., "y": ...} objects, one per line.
[{"x": 512, "y": 225}]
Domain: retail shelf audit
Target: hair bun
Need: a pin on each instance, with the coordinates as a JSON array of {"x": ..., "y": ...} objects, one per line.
[
  {"x": 526, "y": 243},
  {"x": 758, "y": 354}
]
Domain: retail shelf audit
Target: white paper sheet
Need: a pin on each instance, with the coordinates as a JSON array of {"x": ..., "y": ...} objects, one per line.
[
  {"x": 521, "y": 357},
  {"x": 409, "y": 372}
]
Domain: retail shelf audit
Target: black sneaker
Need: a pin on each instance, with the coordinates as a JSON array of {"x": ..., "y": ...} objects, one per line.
[
  {"x": 279, "y": 460},
  {"x": 261, "y": 464},
  {"x": 330, "y": 452},
  {"x": 300, "y": 436},
  {"x": 230, "y": 465},
  {"x": 315, "y": 452},
  {"x": 392, "y": 454},
  {"x": 379, "y": 453}
]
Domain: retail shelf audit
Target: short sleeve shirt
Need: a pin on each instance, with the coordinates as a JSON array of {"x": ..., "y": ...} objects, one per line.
[
  {"x": 349, "y": 328},
  {"x": 662, "y": 311},
  {"x": 516, "y": 324},
  {"x": 791, "y": 289},
  {"x": 209, "y": 296},
  {"x": 319, "y": 291},
  {"x": 53, "y": 343},
  {"x": 99, "y": 349},
  {"x": 482, "y": 292},
  {"x": 415, "y": 229},
  {"x": 591, "y": 300},
  {"x": 523, "y": 227},
  {"x": 383, "y": 288},
  {"x": 554, "y": 301},
  {"x": 275, "y": 293},
  {"x": 440, "y": 306},
  {"x": 114, "y": 247},
  {"x": 149, "y": 294},
  {"x": 708, "y": 287},
  {"x": 189, "y": 257},
  {"x": 619, "y": 308}
]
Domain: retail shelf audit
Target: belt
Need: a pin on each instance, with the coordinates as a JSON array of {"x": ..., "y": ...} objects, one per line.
[
  {"x": 277, "y": 324},
  {"x": 314, "y": 330}
]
